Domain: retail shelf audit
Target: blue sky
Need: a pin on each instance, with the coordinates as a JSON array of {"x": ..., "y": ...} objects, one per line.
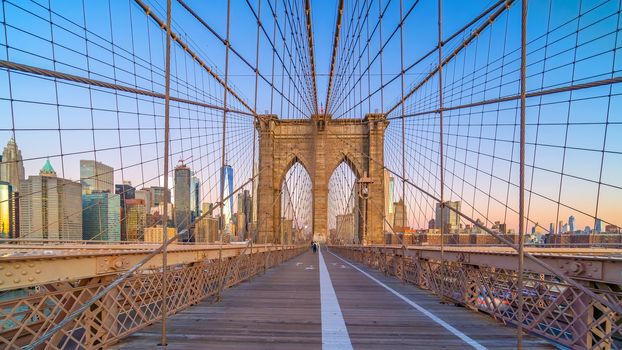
[{"x": 126, "y": 132}]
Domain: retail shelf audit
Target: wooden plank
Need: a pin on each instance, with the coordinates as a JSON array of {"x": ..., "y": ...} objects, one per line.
[
  {"x": 281, "y": 310},
  {"x": 376, "y": 318}
]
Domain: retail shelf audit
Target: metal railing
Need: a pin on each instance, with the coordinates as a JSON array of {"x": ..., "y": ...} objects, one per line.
[
  {"x": 487, "y": 281},
  {"x": 132, "y": 303}
]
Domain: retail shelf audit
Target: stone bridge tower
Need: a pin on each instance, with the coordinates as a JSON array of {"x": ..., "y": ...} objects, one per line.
[{"x": 320, "y": 145}]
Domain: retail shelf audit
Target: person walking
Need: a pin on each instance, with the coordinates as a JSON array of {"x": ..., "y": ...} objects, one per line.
[{"x": 314, "y": 246}]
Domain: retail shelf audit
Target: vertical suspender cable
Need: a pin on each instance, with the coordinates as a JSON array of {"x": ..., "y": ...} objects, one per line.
[
  {"x": 311, "y": 53},
  {"x": 254, "y": 195},
  {"x": 403, "y": 125},
  {"x": 334, "y": 55},
  {"x": 521, "y": 196},
  {"x": 167, "y": 95},
  {"x": 380, "y": 14},
  {"x": 442, "y": 161},
  {"x": 224, "y": 139}
]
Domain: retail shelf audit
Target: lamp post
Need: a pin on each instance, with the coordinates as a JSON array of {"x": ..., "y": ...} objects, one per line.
[{"x": 363, "y": 191}]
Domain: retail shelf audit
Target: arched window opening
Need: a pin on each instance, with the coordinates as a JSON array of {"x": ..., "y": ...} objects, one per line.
[
  {"x": 344, "y": 211},
  {"x": 296, "y": 220}
]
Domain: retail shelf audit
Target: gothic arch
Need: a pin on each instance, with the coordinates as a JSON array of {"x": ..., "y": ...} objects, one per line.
[
  {"x": 353, "y": 163},
  {"x": 344, "y": 161},
  {"x": 281, "y": 173}
]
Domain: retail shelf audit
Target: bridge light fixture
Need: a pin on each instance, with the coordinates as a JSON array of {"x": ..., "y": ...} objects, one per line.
[{"x": 364, "y": 183}]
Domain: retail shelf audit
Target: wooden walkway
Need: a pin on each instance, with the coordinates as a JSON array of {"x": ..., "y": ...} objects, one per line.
[{"x": 285, "y": 309}]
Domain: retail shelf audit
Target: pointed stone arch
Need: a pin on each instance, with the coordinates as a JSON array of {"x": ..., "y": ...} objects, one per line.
[
  {"x": 349, "y": 163},
  {"x": 353, "y": 163},
  {"x": 289, "y": 164}
]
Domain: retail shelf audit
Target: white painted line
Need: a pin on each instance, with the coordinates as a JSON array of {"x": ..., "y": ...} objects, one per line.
[
  {"x": 334, "y": 331},
  {"x": 419, "y": 308}
]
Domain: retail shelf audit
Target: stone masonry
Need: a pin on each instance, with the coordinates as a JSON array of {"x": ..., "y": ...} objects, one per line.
[{"x": 320, "y": 145}]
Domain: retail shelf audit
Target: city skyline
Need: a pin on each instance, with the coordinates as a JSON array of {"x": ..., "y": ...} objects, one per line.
[
  {"x": 312, "y": 173},
  {"x": 571, "y": 226},
  {"x": 110, "y": 210},
  {"x": 566, "y": 174}
]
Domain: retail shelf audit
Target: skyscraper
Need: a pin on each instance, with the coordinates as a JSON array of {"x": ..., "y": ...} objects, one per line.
[
  {"x": 135, "y": 217},
  {"x": 146, "y": 195},
  {"x": 598, "y": 226},
  {"x": 8, "y": 219},
  {"x": 206, "y": 229},
  {"x": 50, "y": 207},
  {"x": 96, "y": 176},
  {"x": 571, "y": 224},
  {"x": 245, "y": 207},
  {"x": 157, "y": 212},
  {"x": 451, "y": 219},
  {"x": 389, "y": 193},
  {"x": 11, "y": 165},
  {"x": 400, "y": 220},
  {"x": 195, "y": 197},
  {"x": 101, "y": 216},
  {"x": 226, "y": 185},
  {"x": 125, "y": 191},
  {"x": 157, "y": 195},
  {"x": 182, "y": 199}
]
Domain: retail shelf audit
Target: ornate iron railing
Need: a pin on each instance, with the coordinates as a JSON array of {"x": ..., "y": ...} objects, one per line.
[
  {"x": 553, "y": 309},
  {"x": 134, "y": 303}
]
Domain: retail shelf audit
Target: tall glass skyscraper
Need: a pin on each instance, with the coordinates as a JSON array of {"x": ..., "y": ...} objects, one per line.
[
  {"x": 195, "y": 197},
  {"x": 135, "y": 218},
  {"x": 451, "y": 220},
  {"x": 101, "y": 216},
  {"x": 389, "y": 194},
  {"x": 226, "y": 183},
  {"x": 96, "y": 176},
  {"x": 182, "y": 199},
  {"x": 125, "y": 191},
  {"x": 7, "y": 210}
]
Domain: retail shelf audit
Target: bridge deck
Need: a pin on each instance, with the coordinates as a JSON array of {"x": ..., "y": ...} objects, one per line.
[{"x": 288, "y": 307}]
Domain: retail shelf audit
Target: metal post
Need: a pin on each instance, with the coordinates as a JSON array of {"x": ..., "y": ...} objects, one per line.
[
  {"x": 521, "y": 204},
  {"x": 381, "y": 43},
  {"x": 224, "y": 134},
  {"x": 364, "y": 183},
  {"x": 442, "y": 163},
  {"x": 223, "y": 154},
  {"x": 403, "y": 123},
  {"x": 334, "y": 55},
  {"x": 166, "y": 155},
  {"x": 254, "y": 194},
  {"x": 364, "y": 221}
]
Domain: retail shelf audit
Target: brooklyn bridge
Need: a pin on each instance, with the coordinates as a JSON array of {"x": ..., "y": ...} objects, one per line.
[{"x": 305, "y": 174}]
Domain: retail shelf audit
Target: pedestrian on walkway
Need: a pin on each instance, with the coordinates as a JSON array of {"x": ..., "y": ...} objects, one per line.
[{"x": 314, "y": 245}]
